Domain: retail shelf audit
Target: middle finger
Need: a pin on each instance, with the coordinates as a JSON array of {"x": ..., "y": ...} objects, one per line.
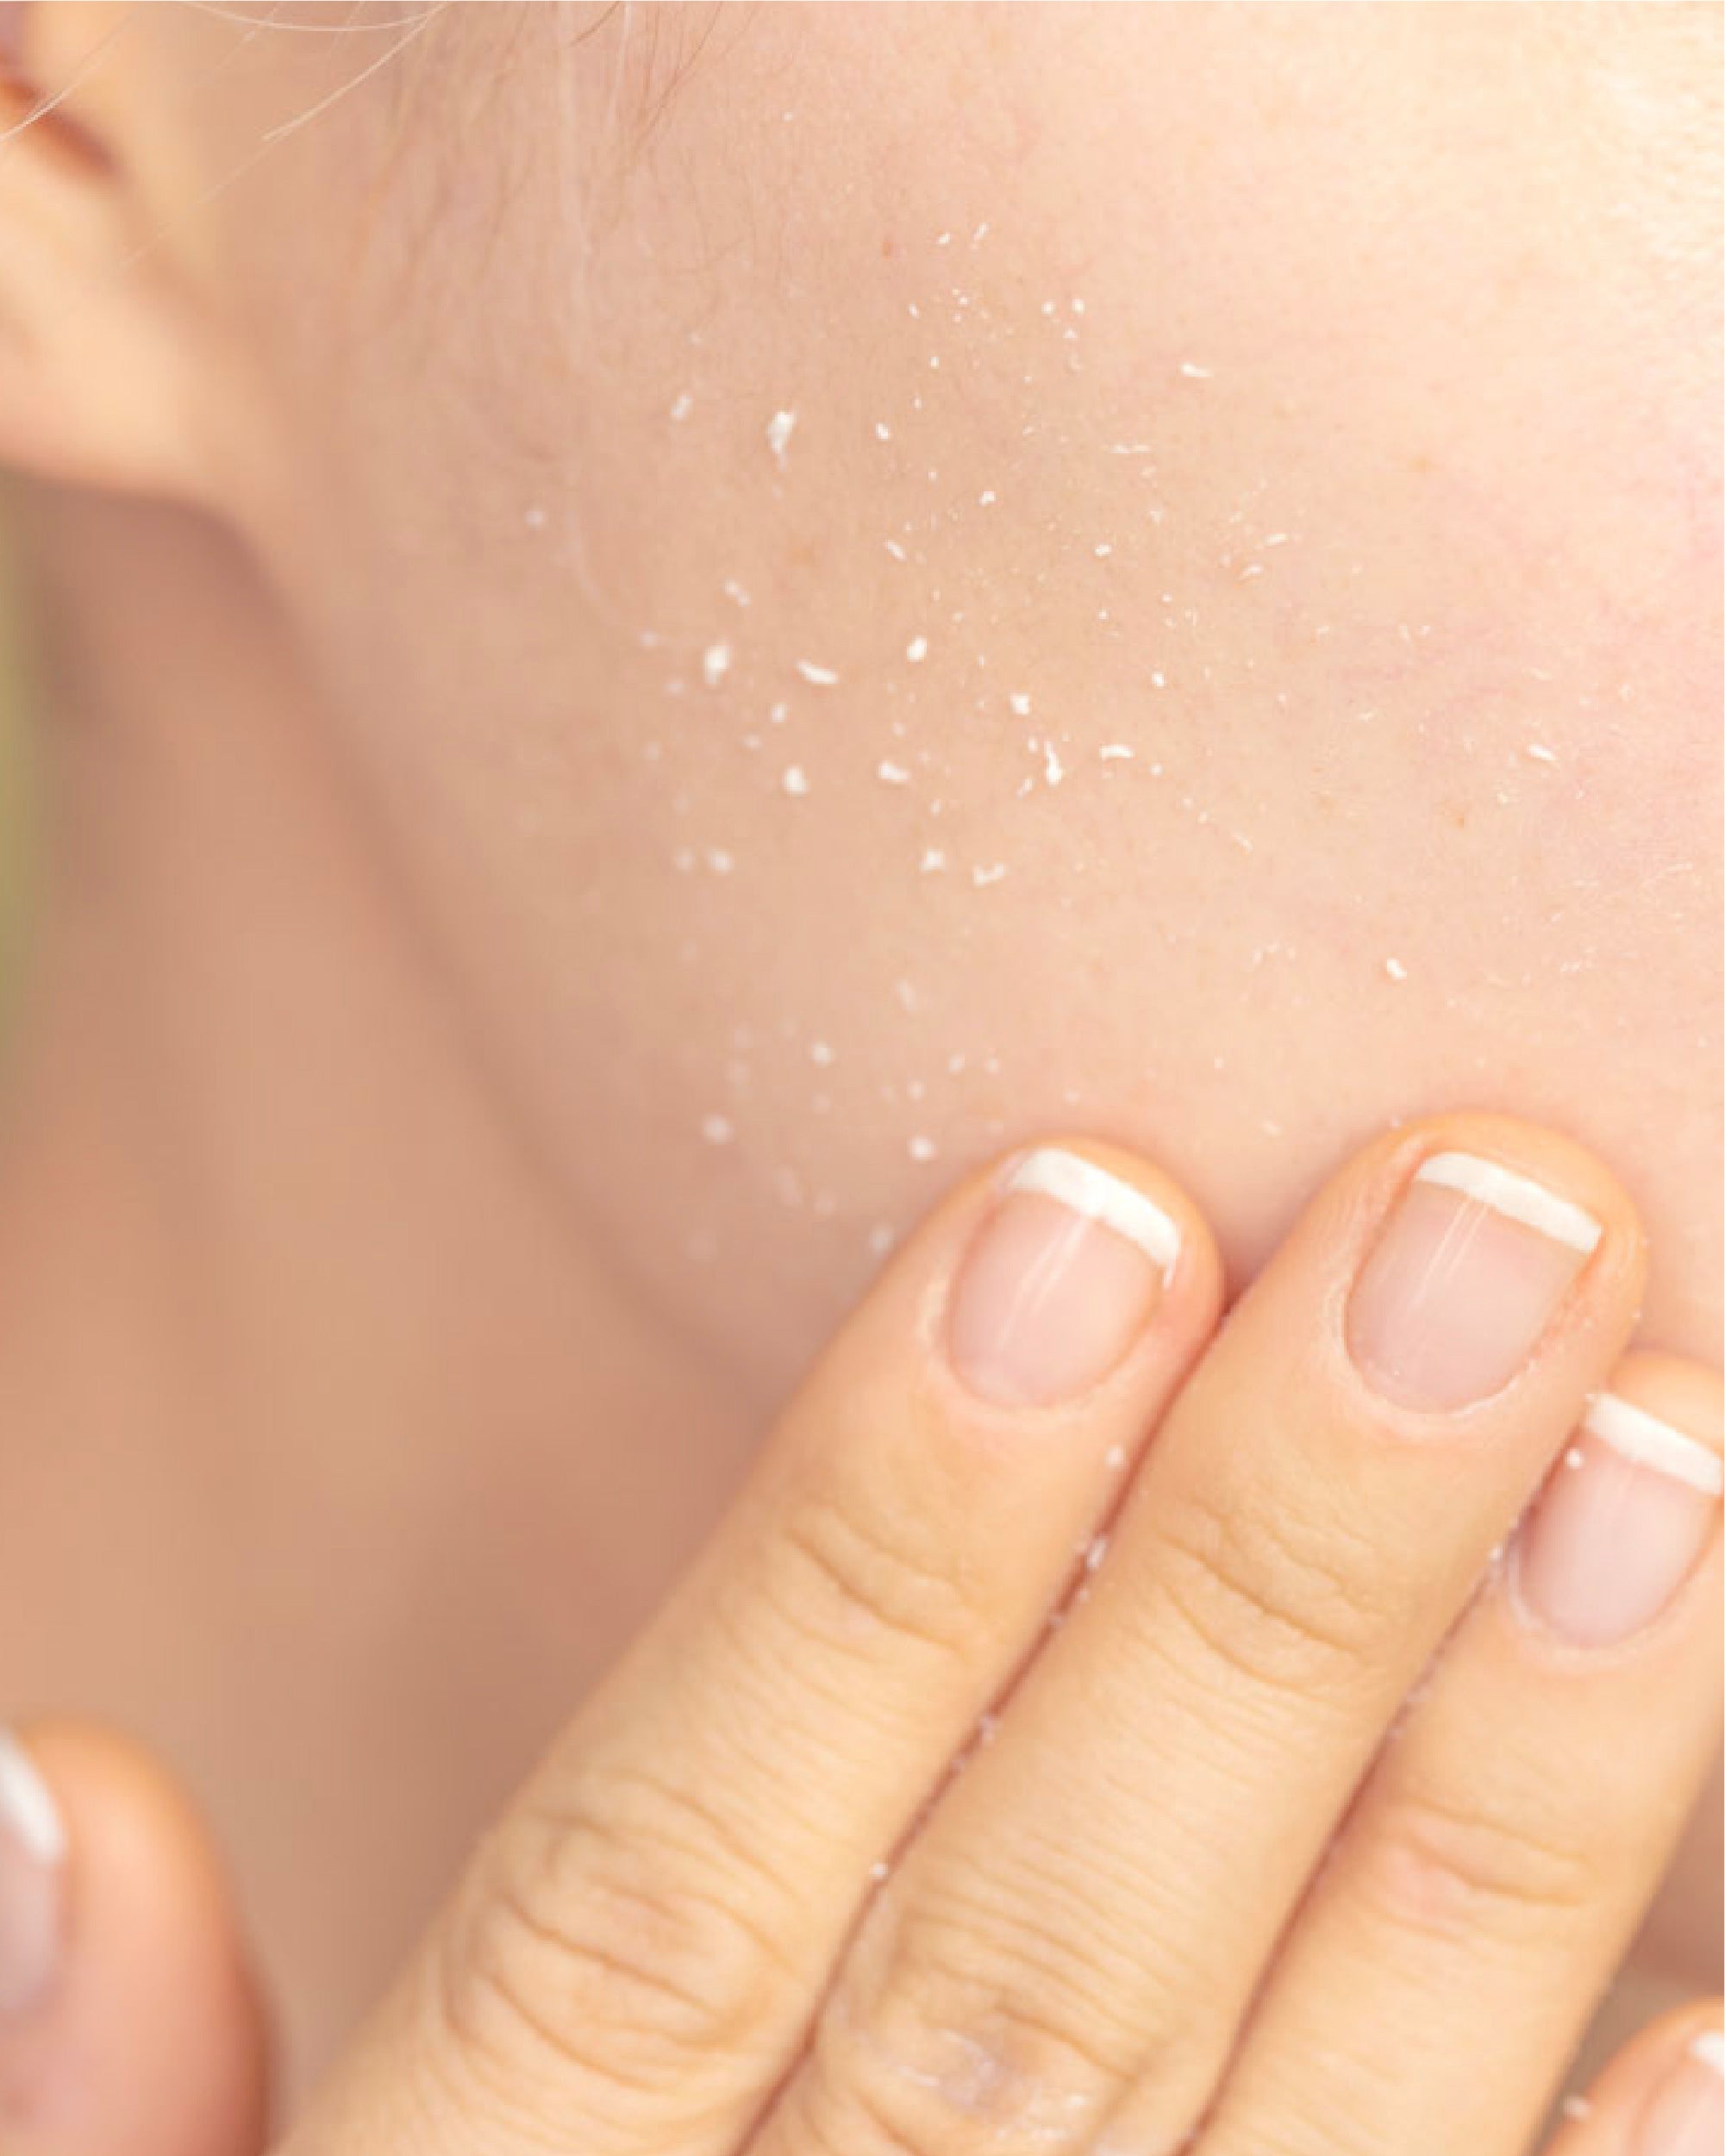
[{"x": 1092, "y": 1902}]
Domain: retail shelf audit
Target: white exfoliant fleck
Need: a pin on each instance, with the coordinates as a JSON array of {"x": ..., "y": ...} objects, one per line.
[
  {"x": 1020, "y": 702},
  {"x": 734, "y": 592},
  {"x": 934, "y": 860},
  {"x": 893, "y": 547},
  {"x": 1159, "y": 681},
  {"x": 1114, "y": 1459},
  {"x": 683, "y": 405},
  {"x": 1193, "y": 371},
  {"x": 943, "y": 239},
  {"x": 882, "y": 431},
  {"x": 917, "y": 649},
  {"x": 796, "y": 780},
  {"x": 821, "y": 677},
  {"x": 1115, "y": 752},
  {"x": 879, "y": 1872},
  {"x": 906, "y": 993},
  {"x": 983, "y": 876},
  {"x": 1053, "y": 771},
  {"x": 719, "y": 861},
  {"x": 779, "y": 429},
  {"x": 891, "y": 774},
  {"x": 821, "y": 1052},
  {"x": 1540, "y": 753},
  {"x": 1395, "y": 969},
  {"x": 881, "y": 1238},
  {"x": 778, "y": 714},
  {"x": 987, "y": 499},
  {"x": 1102, "y": 550},
  {"x": 921, "y": 1148},
  {"x": 717, "y": 1130},
  {"x": 715, "y": 663},
  {"x": 1095, "y": 1553}
]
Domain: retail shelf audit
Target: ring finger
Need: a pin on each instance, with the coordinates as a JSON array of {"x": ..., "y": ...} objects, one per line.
[{"x": 1507, "y": 1843}]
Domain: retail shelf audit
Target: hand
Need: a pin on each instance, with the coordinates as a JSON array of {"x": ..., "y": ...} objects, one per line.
[{"x": 1094, "y": 1731}]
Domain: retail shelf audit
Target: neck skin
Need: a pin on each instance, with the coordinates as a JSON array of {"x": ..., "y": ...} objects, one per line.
[{"x": 314, "y": 1395}]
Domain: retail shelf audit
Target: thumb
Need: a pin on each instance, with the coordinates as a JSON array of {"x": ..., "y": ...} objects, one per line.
[{"x": 127, "y": 2020}]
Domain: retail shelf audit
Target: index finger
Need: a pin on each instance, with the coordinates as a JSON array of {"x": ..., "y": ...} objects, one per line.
[{"x": 636, "y": 1951}]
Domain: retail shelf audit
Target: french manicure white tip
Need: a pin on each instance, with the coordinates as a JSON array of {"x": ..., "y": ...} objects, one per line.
[
  {"x": 1094, "y": 1194},
  {"x": 27, "y": 1804},
  {"x": 1633, "y": 1435},
  {"x": 1518, "y": 1198},
  {"x": 1709, "y": 2048}
]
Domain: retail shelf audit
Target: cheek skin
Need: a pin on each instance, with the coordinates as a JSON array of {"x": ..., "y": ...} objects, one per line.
[
  {"x": 1386, "y": 663},
  {"x": 1220, "y": 652}
]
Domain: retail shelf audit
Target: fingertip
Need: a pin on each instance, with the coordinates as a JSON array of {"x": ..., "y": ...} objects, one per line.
[
  {"x": 1663, "y": 2095},
  {"x": 1195, "y": 1269},
  {"x": 1688, "y": 1396},
  {"x": 145, "y": 2032},
  {"x": 1081, "y": 1253},
  {"x": 1556, "y": 1163}
]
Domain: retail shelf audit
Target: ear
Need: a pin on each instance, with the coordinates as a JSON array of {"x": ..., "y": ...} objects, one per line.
[{"x": 112, "y": 371}]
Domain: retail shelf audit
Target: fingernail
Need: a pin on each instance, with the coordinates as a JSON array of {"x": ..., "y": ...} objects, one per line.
[
  {"x": 32, "y": 1852},
  {"x": 1463, "y": 1281},
  {"x": 1064, "y": 1274},
  {"x": 1617, "y": 1529},
  {"x": 1686, "y": 2115}
]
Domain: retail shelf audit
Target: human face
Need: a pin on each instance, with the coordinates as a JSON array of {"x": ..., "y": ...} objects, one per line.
[{"x": 909, "y": 576}]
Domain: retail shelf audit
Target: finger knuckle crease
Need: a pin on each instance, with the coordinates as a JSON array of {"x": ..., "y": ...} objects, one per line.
[
  {"x": 849, "y": 1580},
  {"x": 604, "y": 1953},
  {"x": 1449, "y": 1869},
  {"x": 1288, "y": 1607}
]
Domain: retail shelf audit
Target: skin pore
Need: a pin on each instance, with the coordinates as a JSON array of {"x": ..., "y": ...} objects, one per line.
[{"x": 497, "y": 995}]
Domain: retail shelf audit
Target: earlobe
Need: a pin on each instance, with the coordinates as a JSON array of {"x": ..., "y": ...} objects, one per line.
[{"x": 108, "y": 371}]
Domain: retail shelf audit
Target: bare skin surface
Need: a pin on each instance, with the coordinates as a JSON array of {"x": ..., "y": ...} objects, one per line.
[{"x": 465, "y": 1080}]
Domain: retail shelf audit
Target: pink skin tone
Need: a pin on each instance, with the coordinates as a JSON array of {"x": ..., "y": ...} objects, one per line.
[{"x": 1408, "y": 612}]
